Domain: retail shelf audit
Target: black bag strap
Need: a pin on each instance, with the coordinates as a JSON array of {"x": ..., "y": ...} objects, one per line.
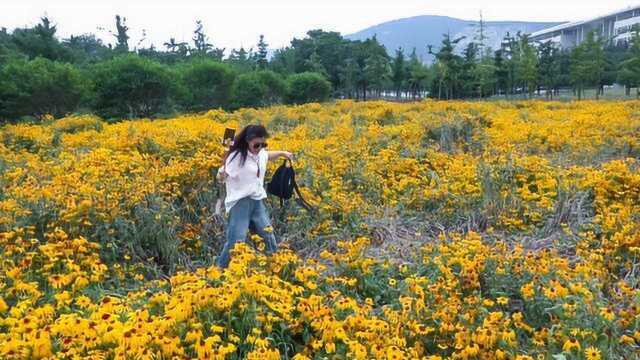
[{"x": 301, "y": 199}]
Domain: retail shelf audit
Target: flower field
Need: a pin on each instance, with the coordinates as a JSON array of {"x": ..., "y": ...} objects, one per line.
[{"x": 444, "y": 230}]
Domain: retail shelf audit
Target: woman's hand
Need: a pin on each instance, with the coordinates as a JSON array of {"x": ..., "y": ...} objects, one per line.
[
  {"x": 221, "y": 176},
  {"x": 288, "y": 155}
]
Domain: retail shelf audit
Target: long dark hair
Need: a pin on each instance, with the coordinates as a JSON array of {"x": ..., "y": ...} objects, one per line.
[{"x": 241, "y": 142}]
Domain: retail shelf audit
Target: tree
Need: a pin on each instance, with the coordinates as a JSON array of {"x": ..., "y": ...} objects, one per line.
[
  {"x": 548, "y": 67},
  {"x": 480, "y": 39},
  {"x": 577, "y": 69},
  {"x": 377, "y": 71},
  {"x": 201, "y": 45},
  {"x": 527, "y": 67},
  {"x": 242, "y": 59},
  {"x": 501, "y": 72},
  {"x": 258, "y": 88},
  {"x": 418, "y": 75},
  {"x": 467, "y": 76},
  {"x": 39, "y": 87},
  {"x": 307, "y": 87},
  {"x": 594, "y": 62},
  {"x": 629, "y": 74},
  {"x": 327, "y": 49},
  {"x": 87, "y": 48},
  {"x": 448, "y": 67},
  {"x": 248, "y": 91},
  {"x": 275, "y": 87},
  {"x": 178, "y": 49},
  {"x": 484, "y": 76},
  {"x": 564, "y": 63},
  {"x": 40, "y": 41},
  {"x": 511, "y": 56},
  {"x": 588, "y": 64},
  {"x": 314, "y": 64},
  {"x": 349, "y": 77},
  {"x": 122, "y": 38},
  {"x": 261, "y": 55},
  {"x": 283, "y": 61},
  {"x": 207, "y": 84},
  {"x": 8, "y": 49},
  {"x": 614, "y": 55},
  {"x": 132, "y": 86},
  {"x": 399, "y": 72}
]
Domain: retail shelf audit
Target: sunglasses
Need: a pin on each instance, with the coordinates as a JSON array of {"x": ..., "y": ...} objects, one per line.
[{"x": 257, "y": 146}]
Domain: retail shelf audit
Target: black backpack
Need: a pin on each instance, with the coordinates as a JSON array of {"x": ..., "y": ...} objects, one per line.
[{"x": 283, "y": 184}]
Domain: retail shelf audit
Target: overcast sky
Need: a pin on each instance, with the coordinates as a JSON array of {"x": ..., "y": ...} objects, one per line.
[{"x": 239, "y": 22}]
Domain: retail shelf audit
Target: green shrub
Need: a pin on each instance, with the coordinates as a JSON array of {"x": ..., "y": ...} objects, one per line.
[
  {"x": 275, "y": 86},
  {"x": 248, "y": 91},
  {"x": 39, "y": 87},
  {"x": 307, "y": 87},
  {"x": 207, "y": 84},
  {"x": 132, "y": 86}
]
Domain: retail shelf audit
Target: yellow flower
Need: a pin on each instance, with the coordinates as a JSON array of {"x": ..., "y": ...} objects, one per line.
[
  {"x": 571, "y": 345},
  {"x": 503, "y": 301},
  {"x": 607, "y": 313},
  {"x": 592, "y": 353},
  {"x": 217, "y": 329},
  {"x": 83, "y": 301},
  {"x": 330, "y": 347},
  {"x": 3, "y": 305},
  {"x": 626, "y": 339}
]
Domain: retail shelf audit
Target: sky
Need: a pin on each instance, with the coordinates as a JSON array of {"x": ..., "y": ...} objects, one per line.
[{"x": 235, "y": 23}]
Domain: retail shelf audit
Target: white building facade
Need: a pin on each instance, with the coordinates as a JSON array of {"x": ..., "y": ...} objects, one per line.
[{"x": 615, "y": 27}]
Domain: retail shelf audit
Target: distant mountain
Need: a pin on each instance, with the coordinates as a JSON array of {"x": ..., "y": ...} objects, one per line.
[{"x": 420, "y": 31}]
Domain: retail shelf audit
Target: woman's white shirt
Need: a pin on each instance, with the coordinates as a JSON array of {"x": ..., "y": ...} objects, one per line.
[{"x": 243, "y": 180}]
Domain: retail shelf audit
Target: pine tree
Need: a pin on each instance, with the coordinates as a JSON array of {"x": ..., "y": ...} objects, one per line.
[
  {"x": 484, "y": 76},
  {"x": 45, "y": 30},
  {"x": 481, "y": 38},
  {"x": 261, "y": 55},
  {"x": 122, "y": 43},
  {"x": 418, "y": 75},
  {"x": 399, "y": 72},
  {"x": 501, "y": 72},
  {"x": 511, "y": 57},
  {"x": 448, "y": 68}
]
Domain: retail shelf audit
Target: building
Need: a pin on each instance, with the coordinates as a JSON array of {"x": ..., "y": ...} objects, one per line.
[{"x": 615, "y": 27}]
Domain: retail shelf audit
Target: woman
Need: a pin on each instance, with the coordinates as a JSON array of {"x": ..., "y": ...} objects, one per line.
[{"x": 243, "y": 174}]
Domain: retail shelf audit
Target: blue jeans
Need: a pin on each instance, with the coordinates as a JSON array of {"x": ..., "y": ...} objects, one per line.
[{"x": 243, "y": 213}]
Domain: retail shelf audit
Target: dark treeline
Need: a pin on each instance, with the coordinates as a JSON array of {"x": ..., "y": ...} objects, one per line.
[
  {"x": 521, "y": 68},
  {"x": 42, "y": 74}
]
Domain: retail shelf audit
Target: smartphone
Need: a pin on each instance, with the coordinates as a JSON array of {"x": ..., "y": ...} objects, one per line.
[{"x": 229, "y": 135}]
